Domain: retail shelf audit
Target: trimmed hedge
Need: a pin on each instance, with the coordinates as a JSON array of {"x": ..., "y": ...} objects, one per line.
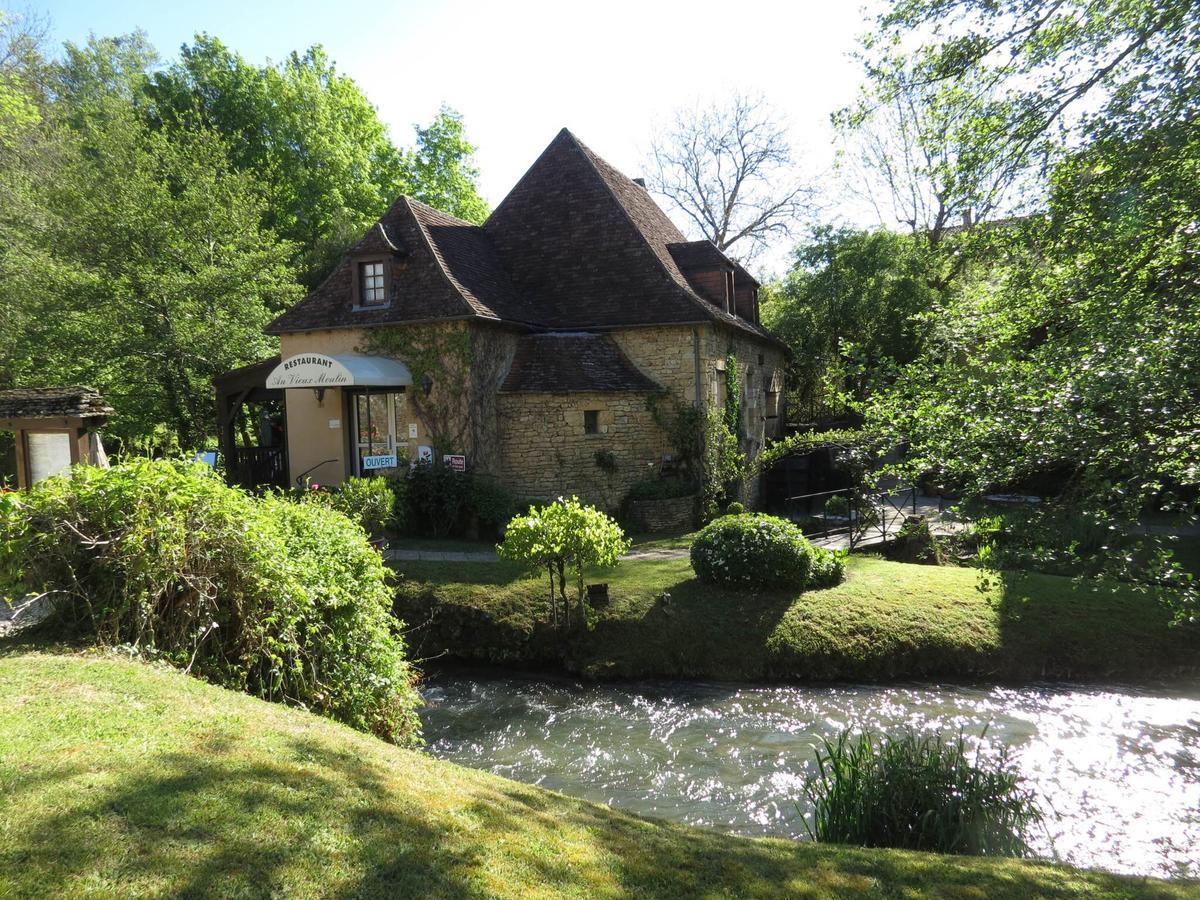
[
  {"x": 755, "y": 550},
  {"x": 286, "y": 601}
]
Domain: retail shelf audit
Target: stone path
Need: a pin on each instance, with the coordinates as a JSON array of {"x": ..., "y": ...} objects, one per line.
[{"x": 401, "y": 555}]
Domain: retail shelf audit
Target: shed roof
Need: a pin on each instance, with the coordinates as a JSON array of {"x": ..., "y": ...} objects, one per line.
[{"x": 76, "y": 401}]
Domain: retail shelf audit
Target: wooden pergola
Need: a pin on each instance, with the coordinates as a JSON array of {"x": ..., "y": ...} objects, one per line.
[
  {"x": 248, "y": 466},
  {"x": 55, "y": 428}
]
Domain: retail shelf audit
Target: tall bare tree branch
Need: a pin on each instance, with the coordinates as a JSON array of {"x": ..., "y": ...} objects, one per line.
[{"x": 728, "y": 168}]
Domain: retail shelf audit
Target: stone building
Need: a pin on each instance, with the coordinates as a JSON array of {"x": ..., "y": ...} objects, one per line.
[{"x": 531, "y": 347}]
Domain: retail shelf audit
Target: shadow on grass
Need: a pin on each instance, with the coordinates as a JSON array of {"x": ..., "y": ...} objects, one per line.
[
  {"x": 303, "y": 818},
  {"x": 688, "y": 629},
  {"x": 1056, "y": 627}
]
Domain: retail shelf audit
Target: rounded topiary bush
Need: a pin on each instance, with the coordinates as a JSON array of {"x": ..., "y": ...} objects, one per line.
[
  {"x": 284, "y": 600},
  {"x": 755, "y": 550}
]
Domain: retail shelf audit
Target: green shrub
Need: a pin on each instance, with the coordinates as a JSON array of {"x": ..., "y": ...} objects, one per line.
[
  {"x": 915, "y": 543},
  {"x": 370, "y": 502},
  {"x": 761, "y": 551},
  {"x": 919, "y": 792},
  {"x": 399, "y": 485},
  {"x": 286, "y": 601},
  {"x": 491, "y": 502},
  {"x": 438, "y": 499},
  {"x": 735, "y": 509},
  {"x": 837, "y": 506},
  {"x": 828, "y": 568},
  {"x": 661, "y": 489}
]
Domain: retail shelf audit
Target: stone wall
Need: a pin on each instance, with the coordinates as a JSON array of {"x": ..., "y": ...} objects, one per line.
[
  {"x": 546, "y": 454},
  {"x": 675, "y": 514},
  {"x": 665, "y": 354}
]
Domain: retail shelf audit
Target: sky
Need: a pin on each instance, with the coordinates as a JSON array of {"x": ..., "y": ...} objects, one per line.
[{"x": 611, "y": 71}]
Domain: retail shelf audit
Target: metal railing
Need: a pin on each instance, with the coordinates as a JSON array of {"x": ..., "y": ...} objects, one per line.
[{"x": 859, "y": 514}]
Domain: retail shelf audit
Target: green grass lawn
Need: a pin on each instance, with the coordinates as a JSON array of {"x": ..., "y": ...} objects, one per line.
[
  {"x": 123, "y": 779},
  {"x": 886, "y": 621}
]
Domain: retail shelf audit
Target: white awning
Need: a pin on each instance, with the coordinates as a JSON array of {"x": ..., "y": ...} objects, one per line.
[{"x": 316, "y": 370}]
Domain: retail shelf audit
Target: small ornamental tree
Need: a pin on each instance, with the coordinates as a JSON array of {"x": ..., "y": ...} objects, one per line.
[{"x": 565, "y": 536}]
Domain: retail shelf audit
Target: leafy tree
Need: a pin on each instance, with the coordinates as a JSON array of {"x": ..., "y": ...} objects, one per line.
[
  {"x": 565, "y": 535},
  {"x": 968, "y": 101},
  {"x": 440, "y": 172},
  {"x": 1065, "y": 361},
  {"x": 854, "y": 306},
  {"x": 309, "y": 134},
  {"x": 151, "y": 274}
]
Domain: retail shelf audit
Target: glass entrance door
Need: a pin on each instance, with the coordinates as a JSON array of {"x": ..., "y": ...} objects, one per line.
[{"x": 377, "y": 415}]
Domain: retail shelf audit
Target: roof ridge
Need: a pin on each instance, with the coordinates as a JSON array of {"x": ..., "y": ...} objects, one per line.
[
  {"x": 563, "y": 132},
  {"x": 687, "y": 292},
  {"x": 441, "y": 212},
  {"x": 439, "y": 260}
]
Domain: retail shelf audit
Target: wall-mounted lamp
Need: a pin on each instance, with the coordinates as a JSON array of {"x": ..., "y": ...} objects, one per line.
[
  {"x": 427, "y": 383},
  {"x": 319, "y": 393}
]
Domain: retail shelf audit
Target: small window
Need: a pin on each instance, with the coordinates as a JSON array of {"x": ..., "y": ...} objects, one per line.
[
  {"x": 591, "y": 421},
  {"x": 373, "y": 291}
]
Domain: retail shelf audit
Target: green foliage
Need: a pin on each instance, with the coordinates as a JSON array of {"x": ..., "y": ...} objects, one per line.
[
  {"x": 398, "y": 483},
  {"x": 853, "y": 450},
  {"x": 441, "y": 168},
  {"x": 443, "y": 357},
  {"x": 491, "y": 502},
  {"x": 722, "y": 463},
  {"x": 371, "y": 502},
  {"x": 914, "y": 542},
  {"x": 309, "y": 134},
  {"x": 753, "y": 550},
  {"x": 919, "y": 792},
  {"x": 733, "y": 396},
  {"x": 564, "y": 537},
  {"x": 838, "y": 505},
  {"x": 684, "y": 427},
  {"x": 735, "y": 509},
  {"x": 286, "y": 601},
  {"x": 853, "y": 307},
  {"x": 661, "y": 489},
  {"x": 146, "y": 274},
  {"x": 997, "y": 92},
  {"x": 438, "y": 499}
]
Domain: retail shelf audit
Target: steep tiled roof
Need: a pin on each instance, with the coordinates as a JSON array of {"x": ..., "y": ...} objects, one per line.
[
  {"x": 53, "y": 403},
  {"x": 574, "y": 245},
  {"x": 572, "y": 362}
]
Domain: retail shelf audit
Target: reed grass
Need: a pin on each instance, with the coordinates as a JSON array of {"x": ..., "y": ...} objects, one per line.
[{"x": 919, "y": 791}]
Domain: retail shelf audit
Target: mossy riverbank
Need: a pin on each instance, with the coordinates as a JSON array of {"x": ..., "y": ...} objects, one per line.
[{"x": 887, "y": 621}]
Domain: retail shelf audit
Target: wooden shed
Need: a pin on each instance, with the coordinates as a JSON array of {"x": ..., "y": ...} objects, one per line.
[{"x": 55, "y": 428}]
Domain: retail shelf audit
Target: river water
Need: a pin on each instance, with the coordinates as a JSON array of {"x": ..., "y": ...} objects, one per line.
[{"x": 1117, "y": 768}]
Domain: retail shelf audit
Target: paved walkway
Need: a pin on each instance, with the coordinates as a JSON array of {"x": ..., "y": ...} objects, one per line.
[{"x": 401, "y": 555}]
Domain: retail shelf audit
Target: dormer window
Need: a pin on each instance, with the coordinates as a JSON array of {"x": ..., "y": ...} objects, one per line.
[{"x": 371, "y": 286}]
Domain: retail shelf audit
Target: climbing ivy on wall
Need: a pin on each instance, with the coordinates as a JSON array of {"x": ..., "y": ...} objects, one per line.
[
  {"x": 733, "y": 396},
  {"x": 462, "y": 366}
]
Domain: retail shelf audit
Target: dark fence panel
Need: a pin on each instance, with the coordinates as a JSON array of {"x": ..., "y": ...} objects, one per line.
[{"x": 254, "y": 467}]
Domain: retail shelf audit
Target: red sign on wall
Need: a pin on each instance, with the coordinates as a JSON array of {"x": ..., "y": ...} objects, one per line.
[{"x": 455, "y": 462}]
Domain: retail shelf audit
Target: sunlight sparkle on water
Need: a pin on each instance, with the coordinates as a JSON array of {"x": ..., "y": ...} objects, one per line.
[{"x": 1118, "y": 769}]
